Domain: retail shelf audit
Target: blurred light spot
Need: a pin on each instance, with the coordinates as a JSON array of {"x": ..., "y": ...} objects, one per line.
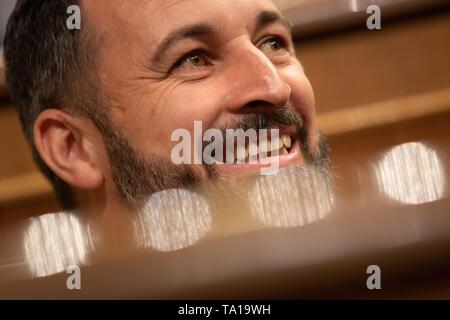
[
  {"x": 292, "y": 198},
  {"x": 411, "y": 173},
  {"x": 172, "y": 220},
  {"x": 53, "y": 242}
]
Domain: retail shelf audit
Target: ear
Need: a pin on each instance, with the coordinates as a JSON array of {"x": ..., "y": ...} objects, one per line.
[{"x": 67, "y": 145}]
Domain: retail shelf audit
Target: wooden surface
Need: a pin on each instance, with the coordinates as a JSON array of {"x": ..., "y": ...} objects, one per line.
[
  {"x": 358, "y": 67},
  {"x": 312, "y": 17},
  {"x": 380, "y": 114},
  {"x": 325, "y": 260}
]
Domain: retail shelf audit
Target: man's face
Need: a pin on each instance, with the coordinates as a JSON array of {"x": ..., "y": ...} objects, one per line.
[{"x": 165, "y": 64}]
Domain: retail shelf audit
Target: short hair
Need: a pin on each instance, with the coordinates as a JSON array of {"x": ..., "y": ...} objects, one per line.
[{"x": 47, "y": 66}]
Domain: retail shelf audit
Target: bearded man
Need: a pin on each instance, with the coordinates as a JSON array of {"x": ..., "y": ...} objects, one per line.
[{"x": 99, "y": 105}]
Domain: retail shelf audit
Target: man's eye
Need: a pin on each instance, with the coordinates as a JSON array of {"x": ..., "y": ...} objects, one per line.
[
  {"x": 273, "y": 44},
  {"x": 194, "y": 59}
]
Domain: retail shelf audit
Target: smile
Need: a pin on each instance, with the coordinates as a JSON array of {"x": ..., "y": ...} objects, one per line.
[
  {"x": 236, "y": 149},
  {"x": 284, "y": 150}
]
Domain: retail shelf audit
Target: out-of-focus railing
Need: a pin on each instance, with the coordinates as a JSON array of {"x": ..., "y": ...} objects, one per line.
[{"x": 312, "y": 17}]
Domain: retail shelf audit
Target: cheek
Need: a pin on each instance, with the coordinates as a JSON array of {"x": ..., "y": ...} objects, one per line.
[
  {"x": 174, "y": 108},
  {"x": 302, "y": 98},
  {"x": 302, "y": 94},
  {"x": 190, "y": 104}
]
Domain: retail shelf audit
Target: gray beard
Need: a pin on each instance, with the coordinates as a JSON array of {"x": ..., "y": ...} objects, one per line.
[{"x": 138, "y": 177}]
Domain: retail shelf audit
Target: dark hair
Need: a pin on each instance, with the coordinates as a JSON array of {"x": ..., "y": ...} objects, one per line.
[{"x": 47, "y": 66}]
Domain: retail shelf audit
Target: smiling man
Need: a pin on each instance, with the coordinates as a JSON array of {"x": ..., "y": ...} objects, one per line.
[{"x": 99, "y": 105}]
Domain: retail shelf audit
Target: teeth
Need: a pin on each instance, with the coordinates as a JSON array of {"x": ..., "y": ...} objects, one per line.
[
  {"x": 253, "y": 159},
  {"x": 264, "y": 146},
  {"x": 241, "y": 154},
  {"x": 252, "y": 149},
  {"x": 286, "y": 141},
  {"x": 277, "y": 144},
  {"x": 263, "y": 155}
]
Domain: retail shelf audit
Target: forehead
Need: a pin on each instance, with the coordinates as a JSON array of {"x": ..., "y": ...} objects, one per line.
[{"x": 152, "y": 19}]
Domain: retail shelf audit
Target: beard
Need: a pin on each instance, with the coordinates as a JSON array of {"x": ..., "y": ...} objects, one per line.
[{"x": 137, "y": 176}]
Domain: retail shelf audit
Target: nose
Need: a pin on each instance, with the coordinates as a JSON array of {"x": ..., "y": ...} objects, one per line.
[{"x": 256, "y": 83}]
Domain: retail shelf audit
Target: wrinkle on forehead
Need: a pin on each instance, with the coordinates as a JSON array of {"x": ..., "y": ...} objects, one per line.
[
  {"x": 111, "y": 16},
  {"x": 119, "y": 22}
]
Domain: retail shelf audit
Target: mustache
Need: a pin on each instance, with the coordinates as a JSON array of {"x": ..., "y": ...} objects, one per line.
[
  {"x": 281, "y": 117},
  {"x": 276, "y": 119}
]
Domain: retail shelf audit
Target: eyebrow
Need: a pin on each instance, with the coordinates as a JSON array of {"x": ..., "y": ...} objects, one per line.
[
  {"x": 266, "y": 18},
  {"x": 200, "y": 30},
  {"x": 203, "y": 30}
]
